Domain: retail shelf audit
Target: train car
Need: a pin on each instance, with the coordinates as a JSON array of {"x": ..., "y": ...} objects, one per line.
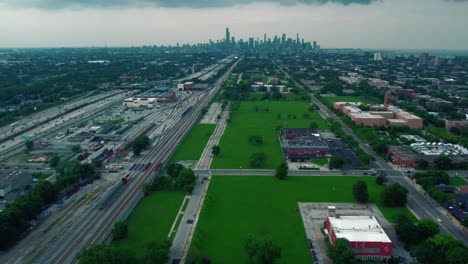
[
  {"x": 126, "y": 179},
  {"x": 186, "y": 111},
  {"x": 147, "y": 166}
]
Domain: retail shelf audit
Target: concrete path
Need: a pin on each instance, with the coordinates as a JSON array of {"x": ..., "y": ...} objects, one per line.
[{"x": 183, "y": 237}]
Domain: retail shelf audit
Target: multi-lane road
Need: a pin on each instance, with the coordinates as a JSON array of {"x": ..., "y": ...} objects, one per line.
[{"x": 421, "y": 205}]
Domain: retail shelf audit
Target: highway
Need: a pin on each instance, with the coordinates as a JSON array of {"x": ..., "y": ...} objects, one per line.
[
  {"x": 421, "y": 205},
  {"x": 94, "y": 226}
]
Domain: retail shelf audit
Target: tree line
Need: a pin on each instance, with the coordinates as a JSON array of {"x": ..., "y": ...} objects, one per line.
[{"x": 18, "y": 216}]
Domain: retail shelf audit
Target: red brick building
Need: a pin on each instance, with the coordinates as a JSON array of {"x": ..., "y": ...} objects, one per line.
[{"x": 366, "y": 237}]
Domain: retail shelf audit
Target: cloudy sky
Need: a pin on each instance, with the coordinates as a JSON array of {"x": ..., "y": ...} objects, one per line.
[{"x": 412, "y": 24}]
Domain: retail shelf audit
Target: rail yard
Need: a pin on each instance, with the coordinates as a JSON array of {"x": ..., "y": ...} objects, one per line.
[{"x": 99, "y": 128}]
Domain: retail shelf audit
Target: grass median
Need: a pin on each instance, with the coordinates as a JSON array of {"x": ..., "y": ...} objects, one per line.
[
  {"x": 193, "y": 145},
  {"x": 151, "y": 220}
]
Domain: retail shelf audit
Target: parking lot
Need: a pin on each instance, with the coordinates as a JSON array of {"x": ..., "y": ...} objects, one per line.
[
  {"x": 314, "y": 215},
  {"x": 338, "y": 148}
]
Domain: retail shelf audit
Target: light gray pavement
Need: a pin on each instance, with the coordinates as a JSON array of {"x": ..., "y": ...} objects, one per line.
[
  {"x": 206, "y": 157},
  {"x": 311, "y": 173},
  {"x": 211, "y": 117}
]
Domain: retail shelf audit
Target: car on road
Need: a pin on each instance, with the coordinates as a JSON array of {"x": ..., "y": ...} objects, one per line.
[
  {"x": 439, "y": 220},
  {"x": 190, "y": 221}
]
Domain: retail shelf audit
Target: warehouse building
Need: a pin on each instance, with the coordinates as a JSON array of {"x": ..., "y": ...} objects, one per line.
[
  {"x": 366, "y": 237},
  {"x": 139, "y": 102}
]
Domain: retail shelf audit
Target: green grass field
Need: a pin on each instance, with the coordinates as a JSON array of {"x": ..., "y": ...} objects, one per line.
[
  {"x": 457, "y": 181},
  {"x": 151, "y": 220},
  {"x": 236, "y": 207},
  {"x": 245, "y": 122},
  {"x": 332, "y": 99},
  {"x": 320, "y": 162},
  {"x": 193, "y": 145}
]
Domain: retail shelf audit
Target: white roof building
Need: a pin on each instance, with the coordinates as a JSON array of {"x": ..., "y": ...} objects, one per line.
[{"x": 358, "y": 228}]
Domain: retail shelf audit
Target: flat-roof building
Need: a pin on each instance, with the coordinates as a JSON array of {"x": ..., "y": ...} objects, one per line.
[
  {"x": 380, "y": 115},
  {"x": 366, "y": 237},
  {"x": 303, "y": 144}
]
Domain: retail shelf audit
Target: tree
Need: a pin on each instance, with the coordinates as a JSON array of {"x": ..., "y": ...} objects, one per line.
[
  {"x": 257, "y": 159},
  {"x": 100, "y": 254},
  {"x": 465, "y": 221},
  {"x": 185, "y": 180},
  {"x": 423, "y": 164},
  {"x": 262, "y": 251},
  {"x": 158, "y": 253},
  {"x": 313, "y": 125},
  {"x": 406, "y": 230},
  {"x": 336, "y": 162},
  {"x": 381, "y": 179},
  {"x": 75, "y": 148},
  {"x": 394, "y": 195},
  {"x": 255, "y": 140},
  {"x": 443, "y": 162},
  {"x": 360, "y": 192},
  {"x": 215, "y": 150},
  {"x": 120, "y": 230},
  {"x": 173, "y": 169},
  {"x": 340, "y": 252},
  {"x": 29, "y": 145},
  {"x": 140, "y": 144},
  {"x": 455, "y": 130},
  {"x": 53, "y": 162},
  {"x": 282, "y": 170},
  {"x": 381, "y": 148},
  {"x": 428, "y": 228}
]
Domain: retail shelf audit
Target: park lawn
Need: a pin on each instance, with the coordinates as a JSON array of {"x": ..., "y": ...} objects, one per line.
[
  {"x": 320, "y": 162},
  {"x": 236, "y": 207},
  {"x": 331, "y": 99},
  {"x": 193, "y": 145},
  {"x": 235, "y": 149},
  {"x": 457, "y": 181},
  {"x": 151, "y": 220}
]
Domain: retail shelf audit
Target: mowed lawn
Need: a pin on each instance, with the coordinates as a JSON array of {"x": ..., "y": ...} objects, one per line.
[
  {"x": 151, "y": 220},
  {"x": 193, "y": 145},
  {"x": 245, "y": 122},
  {"x": 457, "y": 181},
  {"x": 236, "y": 207}
]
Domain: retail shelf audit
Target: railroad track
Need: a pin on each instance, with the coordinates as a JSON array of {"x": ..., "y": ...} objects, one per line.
[{"x": 95, "y": 225}]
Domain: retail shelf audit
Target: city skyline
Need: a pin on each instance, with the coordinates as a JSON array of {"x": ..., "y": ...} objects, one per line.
[{"x": 363, "y": 24}]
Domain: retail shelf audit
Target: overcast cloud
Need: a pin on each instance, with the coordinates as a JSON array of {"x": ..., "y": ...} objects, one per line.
[
  {"x": 423, "y": 24},
  {"x": 60, "y": 4}
]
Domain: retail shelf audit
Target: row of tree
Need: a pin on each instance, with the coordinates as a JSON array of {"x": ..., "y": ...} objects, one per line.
[
  {"x": 425, "y": 242},
  {"x": 155, "y": 253},
  {"x": 179, "y": 178},
  {"x": 429, "y": 179},
  {"x": 392, "y": 195},
  {"x": 16, "y": 218}
]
